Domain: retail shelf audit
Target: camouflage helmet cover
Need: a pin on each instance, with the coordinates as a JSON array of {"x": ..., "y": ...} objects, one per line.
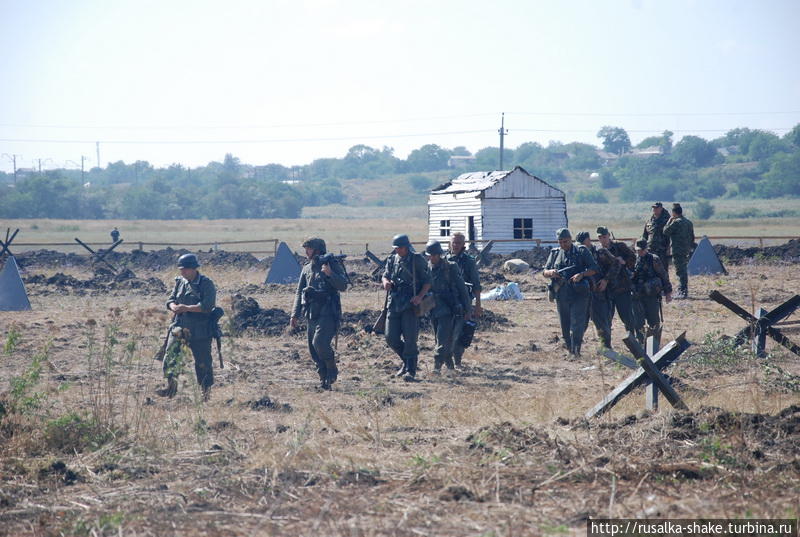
[
  {"x": 400, "y": 241},
  {"x": 434, "y": 248},
  {"x": 188, "y": 261},
  {"x": 316, "y": 243}
]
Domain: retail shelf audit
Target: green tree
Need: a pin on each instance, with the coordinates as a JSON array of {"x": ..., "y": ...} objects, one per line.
[
  {"x": 694, "y": 151},
  {"x": 615, "y": 139},
  {"x": 428, "y": 158},
  {"x": 703, "y": 210},
  {"x": 419, "y": 183},
  {"x": 793, "y": 136}
]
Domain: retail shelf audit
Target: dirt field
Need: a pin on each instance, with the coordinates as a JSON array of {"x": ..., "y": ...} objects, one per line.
[{"x": 500, "y": 449}]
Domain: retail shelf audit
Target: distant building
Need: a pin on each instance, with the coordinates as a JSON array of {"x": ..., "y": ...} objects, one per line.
[
  {"x": 651, "y": 151},
  {"x": 461, "y": 161},
  {"x": 498, "y": 205}
]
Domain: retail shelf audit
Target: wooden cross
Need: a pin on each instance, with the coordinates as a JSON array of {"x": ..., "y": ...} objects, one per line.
[
  {"x": 762, "y": 324},
  {"x": 649, "y": 367},
  {"x": 98, "y": 257},
  {"x": 375, "y": 259},
  {"x": 8, "y": 241}
]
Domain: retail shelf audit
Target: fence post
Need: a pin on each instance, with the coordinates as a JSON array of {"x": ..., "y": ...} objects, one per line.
[{"x": 141, "y": 246}]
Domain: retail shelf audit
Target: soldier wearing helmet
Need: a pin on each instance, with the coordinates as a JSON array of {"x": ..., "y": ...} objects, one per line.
[
  {"x": 406, "y": 280},
  {"x": 192, "y": 300},
  {"x": 452, "y": 302},
  {"x": 469, "y": 269},
  {"x": 317, "y": 299}
]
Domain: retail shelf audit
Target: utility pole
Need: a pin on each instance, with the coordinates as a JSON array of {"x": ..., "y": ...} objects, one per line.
[
  {"x": 83, "y": 173},
  {"x": 503, "y": 132},
  {"x": 97, "y": 144},
  {"x": 40, "y": 165},
  {"x": 12, "y": 158}
]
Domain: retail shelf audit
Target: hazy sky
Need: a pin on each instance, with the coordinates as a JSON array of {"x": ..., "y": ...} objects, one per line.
[{"x": 291, "y": 81}]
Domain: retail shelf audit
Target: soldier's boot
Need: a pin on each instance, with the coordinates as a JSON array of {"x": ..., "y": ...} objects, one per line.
[
  {"x": 333, "y": 372},
  {"x": 411, "y": 369},
  {"x": 170, "y": 390},
  {"x": 437, "y": 366},
  {"x": 403, "y": 370},
  {"x": 639, "y": 336},
  {"x": 206, "y": 394},
  {"x": 605, "y": 340},
  {"x": 576, "y": 351}
]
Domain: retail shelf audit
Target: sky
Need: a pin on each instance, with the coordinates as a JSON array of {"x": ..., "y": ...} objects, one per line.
[{"x": 290, "y": 81}]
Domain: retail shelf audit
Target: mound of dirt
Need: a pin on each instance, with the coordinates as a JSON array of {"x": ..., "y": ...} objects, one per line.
[
  {"x": 358, "y": 321},
  {"x": 103, "y": 280},
  {"x": 789, "y": 252},
  {"x": 248, "y": 315},
  {"x": 50, "y": 258}
]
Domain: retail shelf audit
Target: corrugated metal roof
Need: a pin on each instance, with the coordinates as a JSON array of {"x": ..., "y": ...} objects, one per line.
[{"x": 472, "y": 182}]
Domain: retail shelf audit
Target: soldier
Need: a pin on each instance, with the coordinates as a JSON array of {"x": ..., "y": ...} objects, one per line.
[
  {"x": 407, "y": 280},
  {"x": 650, "y": 282},
  {"x": 114, "y": 235},
  {"x": 657, "y": 242},
  {"x": 616, "y": 261},
  {"x": 599, "y": 309},
  {"x": 568, "y": 267},
  {"x": 452, "y": 303},
  {"x": 469, "y": 270},
  {"x": 192, "y": 300},
  {"x": 681, "y": 233},
  {"x": 317, "y": 298}
]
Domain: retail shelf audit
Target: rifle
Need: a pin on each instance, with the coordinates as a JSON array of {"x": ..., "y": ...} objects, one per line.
[
  {"x": 380, "y": 325},
  {"x": 216, "y": 332},
  {"x": 555, "y": 284}
]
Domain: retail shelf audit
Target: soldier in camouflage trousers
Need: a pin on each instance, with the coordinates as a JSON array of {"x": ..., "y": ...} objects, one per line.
[
  {"x": 616, "y": 260},
  {"x": 650, "y": 283},
  {"x": 680, "y": 231}
]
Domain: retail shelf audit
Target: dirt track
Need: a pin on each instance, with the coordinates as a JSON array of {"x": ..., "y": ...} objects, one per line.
[{"x": 502, "y": 447}]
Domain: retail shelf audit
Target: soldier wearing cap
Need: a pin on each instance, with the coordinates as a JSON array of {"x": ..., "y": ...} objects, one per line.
[
  {"x": 599, "y": 309},
  {"x": 616, "y": 261},
  {"x": 653, "y": 233},
  {"x": 452, "y": 302},
  {"x": 192, "y": 300},
  {"x": 469, "y": 269},
  {"x": 680, "y": 231},
  {"x": 406, "y": 280},
  {"x": 317, "y": 299},
  {"x": 569, "y": 266},
  {"x": 650, "y": 283}
]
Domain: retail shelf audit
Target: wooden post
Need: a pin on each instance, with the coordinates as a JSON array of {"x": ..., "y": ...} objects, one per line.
[
  {"x": 651, "y": 391},
  {"x": 141, "y": 246},
  {"x": 653, "y": 372},
  {"x": 759, "y": 341}
]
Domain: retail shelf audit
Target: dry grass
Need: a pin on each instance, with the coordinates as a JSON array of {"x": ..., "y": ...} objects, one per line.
[{"x": 499, "y": 450}]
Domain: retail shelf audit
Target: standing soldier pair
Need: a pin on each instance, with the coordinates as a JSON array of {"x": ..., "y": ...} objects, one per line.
[
  {"x": 680, "y": 231},
  {"x": 568, "y": 268},
  {"x": 318, "y": 300}
]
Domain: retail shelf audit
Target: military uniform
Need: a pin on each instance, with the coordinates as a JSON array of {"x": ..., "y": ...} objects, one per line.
[
  {"x": 650, "y": 282},
  {"x": 452, "y": 304},
  {"x": 201, "y": 291},
  {"x": 619, "y": 286},
  {"x": 680, "y": 230},
  {"x": 408, "y": 275},
  {"x": 599, "y": 308},
  {"x": 469, "y": 270},
  {"x": 657, "y": 242},
  {"x": 572, "y": 299},
  {"x": 317, "y": 299}
]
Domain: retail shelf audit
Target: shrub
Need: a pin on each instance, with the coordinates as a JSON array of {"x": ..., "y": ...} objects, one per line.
[
  {"x": 590, "y": 196},
  {"x": 703, "y": 210}
]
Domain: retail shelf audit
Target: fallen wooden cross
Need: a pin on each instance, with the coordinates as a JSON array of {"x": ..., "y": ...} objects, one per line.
[
  {"x": 8, "y": 242},
  {"x": 762, "y": 324},
  {"x": 381, "y": 264},
  {"x": 98, "y": 257},
  {"x": 650, "y": 367},
  {"x": 483, "y": 257}
]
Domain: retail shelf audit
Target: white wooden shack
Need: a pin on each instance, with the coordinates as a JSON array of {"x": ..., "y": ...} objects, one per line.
[{"x": 499, "y": 206}]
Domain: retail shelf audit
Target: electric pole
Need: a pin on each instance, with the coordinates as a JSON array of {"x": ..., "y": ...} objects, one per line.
[
  {"x": 13, "y": 159},
  {"x": 503, "y": 132},
  {"x": 83, "y": 173},
  {"x": 97, "y": 144}
]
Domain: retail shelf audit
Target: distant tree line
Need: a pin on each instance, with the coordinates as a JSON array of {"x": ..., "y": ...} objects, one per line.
[{"x": 742, "y": 163}]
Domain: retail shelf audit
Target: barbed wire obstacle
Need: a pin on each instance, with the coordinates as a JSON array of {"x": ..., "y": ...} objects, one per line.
[
  {"x": 648, "y": 367},
  {"x": 13, "y": 296},
  {"x": 98, "y": 257},
  {"x": 761, "y": 325},
  {"x": 8, "y": 242}
]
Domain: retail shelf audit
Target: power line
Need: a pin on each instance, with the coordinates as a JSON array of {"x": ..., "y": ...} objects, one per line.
[
  {"x": 359, "y": 137},
  {"x": 653, "y": 114}
]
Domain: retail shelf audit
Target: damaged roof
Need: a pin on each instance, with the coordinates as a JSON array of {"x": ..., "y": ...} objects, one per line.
[{"x": 471, "y": 182}]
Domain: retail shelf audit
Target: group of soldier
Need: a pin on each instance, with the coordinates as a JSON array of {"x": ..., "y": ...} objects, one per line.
[
  {"x": 588, "y": 282},
  {"x": 591, "y": 282}
]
